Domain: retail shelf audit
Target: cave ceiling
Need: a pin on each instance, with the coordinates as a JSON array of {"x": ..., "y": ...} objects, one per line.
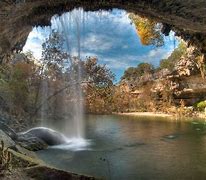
[{"x": 17, "y": 18}]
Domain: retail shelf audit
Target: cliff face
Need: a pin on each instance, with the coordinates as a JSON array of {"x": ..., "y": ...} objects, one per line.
[
  {"x": 186, "y": 17},
  {"x": 184, "y": 82},
  {"x": 193, "y": 89}
]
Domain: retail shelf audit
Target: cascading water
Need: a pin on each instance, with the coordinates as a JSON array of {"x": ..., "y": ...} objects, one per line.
[
  {"x": 44, "y": 107},
  {"x": 72, "y": 125},
  {"x": 76, "y": 107}
]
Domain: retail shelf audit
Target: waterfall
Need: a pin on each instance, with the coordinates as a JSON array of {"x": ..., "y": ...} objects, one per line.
[
  {"x": 79, "y": 109},
  {"x": 72, "y": 124},
  {"x": 44, "y": 107}
]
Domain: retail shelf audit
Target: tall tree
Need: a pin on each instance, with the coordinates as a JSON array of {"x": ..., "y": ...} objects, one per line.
[
  {"x": 134, "y": 72},
  {"x": 53, "y": 55}
]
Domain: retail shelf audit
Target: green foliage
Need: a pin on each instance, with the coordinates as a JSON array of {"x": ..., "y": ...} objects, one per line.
[
  {"x": 130, "y": 73},
  {"x": 170, "y": 62},
  {"x": 145, "y": 68},
  {"x": 134, "y": 72},
  {"x": 201, "y": 105}
]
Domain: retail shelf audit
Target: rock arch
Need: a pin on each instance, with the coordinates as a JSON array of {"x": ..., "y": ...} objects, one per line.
[{"x": 17, "y": 17}]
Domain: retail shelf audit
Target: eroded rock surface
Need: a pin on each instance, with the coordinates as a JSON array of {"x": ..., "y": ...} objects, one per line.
[
  {"x": 16, "y": 141},
  {"x": 183, "y": 83},
  {"x": 40, "y": 138},
  {"x": 25, "y": 164}
]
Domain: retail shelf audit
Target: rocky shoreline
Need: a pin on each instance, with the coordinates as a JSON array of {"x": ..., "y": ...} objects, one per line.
[
  {"x": 19, "y": 161},
  {"x": 153, "y": 114},
  {"x": 200, "y": 115}
]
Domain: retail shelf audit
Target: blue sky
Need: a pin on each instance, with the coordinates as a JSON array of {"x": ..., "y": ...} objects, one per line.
[{"x": 108, "y": 35}]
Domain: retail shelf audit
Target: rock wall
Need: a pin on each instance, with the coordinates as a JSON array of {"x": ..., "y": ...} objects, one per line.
[
  {"x": 184, "y": 82},
  {"x": 192, "y": 89},
  {"x": 186, "y": 17}
]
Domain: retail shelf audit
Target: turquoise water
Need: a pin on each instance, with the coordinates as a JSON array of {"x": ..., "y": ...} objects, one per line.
[{"x": 126, "y": 147}]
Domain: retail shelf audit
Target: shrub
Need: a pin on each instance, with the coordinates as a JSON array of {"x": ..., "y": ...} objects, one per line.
[{"x": 201, "y": 105}]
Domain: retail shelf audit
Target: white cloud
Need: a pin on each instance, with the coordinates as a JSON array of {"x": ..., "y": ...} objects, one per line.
[
  {"x": 34, "y": 47},
  {"x": 88, "y": 54},
  {"x": 120, "y": 62},
  {"x": 106, "y": 35},
  {"x": 116, "y": 63},
  {"x": 98, "y": 42},
  {"x": 155, "y": 55},
  {"x": 35, "y": 39}
]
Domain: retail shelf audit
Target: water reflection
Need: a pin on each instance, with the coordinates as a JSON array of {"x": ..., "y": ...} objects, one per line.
[{"x": 137, "y": 148}]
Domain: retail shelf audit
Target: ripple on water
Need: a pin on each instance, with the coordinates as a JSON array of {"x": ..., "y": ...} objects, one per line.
[
  {"x": 171, "y": 137},
  {"x": 75, "y": 144}
]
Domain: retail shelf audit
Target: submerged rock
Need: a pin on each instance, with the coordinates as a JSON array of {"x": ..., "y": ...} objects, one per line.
[
  {"x": 25, "y": 164},
  {"x": 31, "y": 143},
  {"x": 34, "y": 139},
  {"x": 40, "y": 138},
  {"x": 171, "y": 136},
  {"x": 49, "y": 136}
]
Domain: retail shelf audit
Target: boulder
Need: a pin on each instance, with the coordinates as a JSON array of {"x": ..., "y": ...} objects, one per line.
[
  {"x": 16, "y": 141},
  {"x": 31, "y": 143},
  {"x": 49, "y": 136},
  {"x": 34, "y": 139}
]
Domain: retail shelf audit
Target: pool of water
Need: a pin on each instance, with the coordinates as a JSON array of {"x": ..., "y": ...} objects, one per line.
[{"x": 126, "y": 147}]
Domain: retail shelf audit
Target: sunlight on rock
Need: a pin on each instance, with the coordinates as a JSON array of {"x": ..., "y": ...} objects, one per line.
[{"x": 102, "y": 90}]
